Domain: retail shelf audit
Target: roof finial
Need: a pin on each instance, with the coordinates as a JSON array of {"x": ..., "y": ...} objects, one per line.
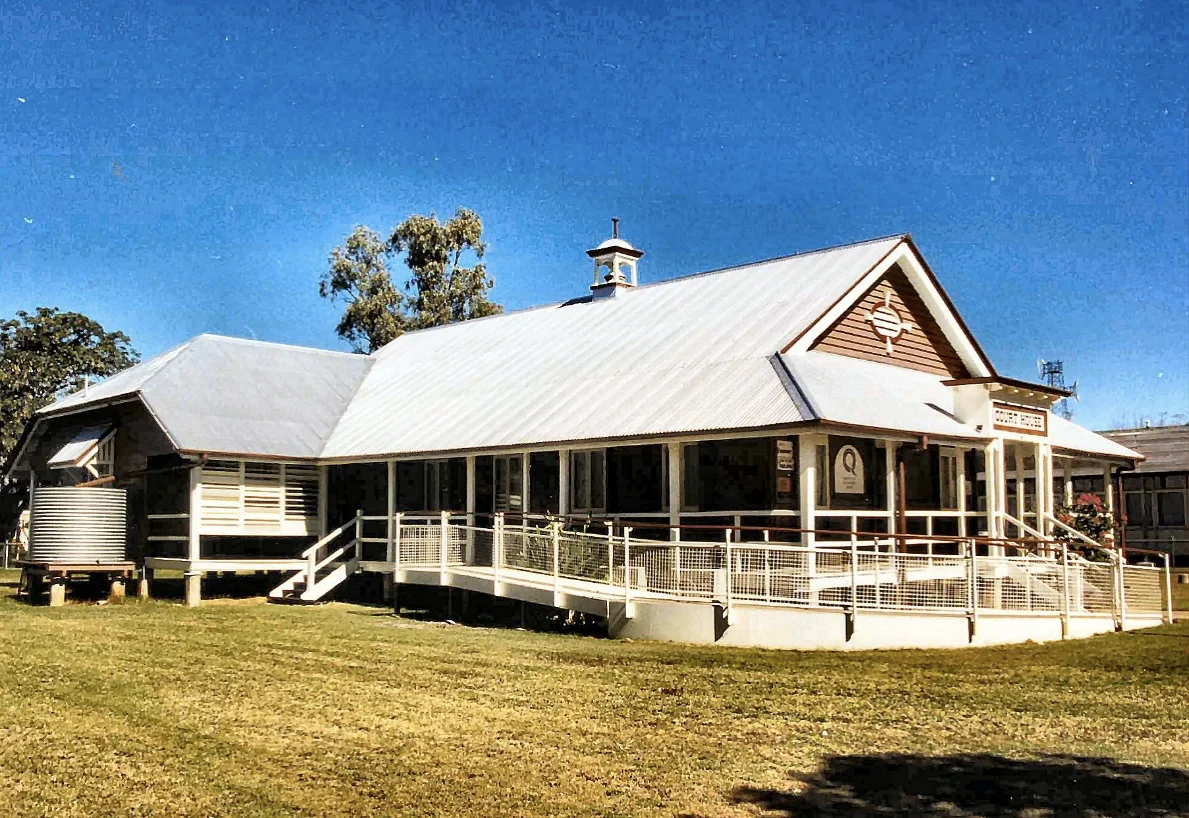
[{"x": 614, "y": 227}]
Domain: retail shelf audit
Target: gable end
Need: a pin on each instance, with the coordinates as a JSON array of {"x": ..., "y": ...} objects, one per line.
[{"x": 890, "y": 324}]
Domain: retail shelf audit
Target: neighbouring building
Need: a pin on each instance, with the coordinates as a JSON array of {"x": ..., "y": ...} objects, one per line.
[
  {"x": 1156, "y": 493},
  {"x": 809, "y": 451}
]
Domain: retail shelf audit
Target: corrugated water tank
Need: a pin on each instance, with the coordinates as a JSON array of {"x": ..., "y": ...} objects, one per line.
[{"x": 78, "y": 525}]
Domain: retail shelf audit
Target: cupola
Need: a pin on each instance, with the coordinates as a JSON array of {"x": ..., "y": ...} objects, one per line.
[{"x": 614, "y": 264}]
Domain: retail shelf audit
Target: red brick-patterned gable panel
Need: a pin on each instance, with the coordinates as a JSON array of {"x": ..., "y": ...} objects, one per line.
[{"x": 893, "y": 311}]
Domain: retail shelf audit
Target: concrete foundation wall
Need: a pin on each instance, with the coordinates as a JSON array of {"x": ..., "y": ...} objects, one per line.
[
  {"x": 818, "y": 629},
  {"x": 783, "y": 627}
]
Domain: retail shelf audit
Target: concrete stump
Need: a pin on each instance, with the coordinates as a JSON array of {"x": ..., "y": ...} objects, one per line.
[
  {"x": 142, "y": 585},
  {"x": 193, "y": 591},
  {"x": 57, "y": 592}
]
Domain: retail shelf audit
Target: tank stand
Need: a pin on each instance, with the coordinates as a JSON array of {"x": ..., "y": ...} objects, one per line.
[{"x": 58, "y": 575}]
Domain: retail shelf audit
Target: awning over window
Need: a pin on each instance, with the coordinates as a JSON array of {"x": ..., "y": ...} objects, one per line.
[{"x": 81, "y": 449}]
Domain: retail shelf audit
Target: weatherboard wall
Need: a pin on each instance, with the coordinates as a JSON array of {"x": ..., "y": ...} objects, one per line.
[{"x": 922, "y": 346}]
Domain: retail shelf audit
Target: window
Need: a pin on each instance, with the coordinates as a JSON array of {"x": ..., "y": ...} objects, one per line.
[
  {"x": 948, "y": 465},
  {"x": 1171, "y": 508},
  {"x": 976, "y": 490},
  {"x": 1088, "y": 485},
  {"x": 220, "y": 495},
  {"x": 664, "y": 478},
  {"x": 104, "y": 463},
  {"x": 301, "y": 493},
  {"x": 588, "y": 481},
  {"x": 787, "y": 486},
  {"x": 1138, "y": 512},
  {"x": 748, "y": 474},
  {"x": 509, "y": 483},
  {"x": 410, "y": 486},
  {"x": 1154, "y": 501}
]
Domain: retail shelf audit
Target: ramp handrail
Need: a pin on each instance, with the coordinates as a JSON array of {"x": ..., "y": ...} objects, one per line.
[{"x": 836, "y": 575}]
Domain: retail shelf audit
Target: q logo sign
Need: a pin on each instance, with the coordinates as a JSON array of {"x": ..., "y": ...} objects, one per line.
[{"x": 849, "y": 477}]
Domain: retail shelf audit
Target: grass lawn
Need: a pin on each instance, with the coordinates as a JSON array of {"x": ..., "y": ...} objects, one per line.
[
  {"x": 243, "y": 708},
  {"x": 1180, "y": 596}
]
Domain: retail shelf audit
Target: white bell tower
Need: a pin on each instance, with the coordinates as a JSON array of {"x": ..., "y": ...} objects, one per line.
[{"x": 614, "y": 264}]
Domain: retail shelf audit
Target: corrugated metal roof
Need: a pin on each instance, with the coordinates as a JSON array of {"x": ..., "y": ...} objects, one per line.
[
  {"x": 866, "y": 393},
  {"x": 1165, "y": 447},
  {"x": 686, "y": 355},
  {"x": 121, "y": 385},
  {"x": 217, "y": 394},
  {"x": 695, "y": 354},
  {"x": 1065, "y": 434}
]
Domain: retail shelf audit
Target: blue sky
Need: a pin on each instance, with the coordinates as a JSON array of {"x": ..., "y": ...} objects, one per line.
[{"x": 172, "y": 169}]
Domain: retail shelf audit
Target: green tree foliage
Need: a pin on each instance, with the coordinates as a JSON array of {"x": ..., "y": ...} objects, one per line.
[
  {"x": 359, "y": 275},
  {"x": 442, "y": 287},
  {"x": 41, "y": 356}
]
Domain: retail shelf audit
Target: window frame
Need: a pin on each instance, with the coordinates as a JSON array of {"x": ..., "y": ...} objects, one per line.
[{"x": 582, "y": 461}]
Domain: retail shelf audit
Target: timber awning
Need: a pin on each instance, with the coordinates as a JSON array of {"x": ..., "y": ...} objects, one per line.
[{"x": 81, "y": 449}]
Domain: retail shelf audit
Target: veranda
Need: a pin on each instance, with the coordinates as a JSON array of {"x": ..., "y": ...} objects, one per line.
[{"x": 816, "y": 520}]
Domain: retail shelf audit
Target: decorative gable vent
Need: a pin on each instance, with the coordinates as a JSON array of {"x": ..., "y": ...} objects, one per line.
[{"x": 887, "y": 322}]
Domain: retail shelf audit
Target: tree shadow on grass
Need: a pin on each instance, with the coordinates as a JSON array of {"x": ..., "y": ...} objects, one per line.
[
  {"x": 895, "y": 785},
  {"x": 1160, "y": 634}
]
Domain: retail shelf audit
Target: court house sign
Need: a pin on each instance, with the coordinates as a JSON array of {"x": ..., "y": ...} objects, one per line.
[{"x": 1008, "y": 418}]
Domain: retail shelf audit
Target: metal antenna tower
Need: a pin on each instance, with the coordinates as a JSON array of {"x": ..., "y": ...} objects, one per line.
[{"x": 1053, "y": 373}]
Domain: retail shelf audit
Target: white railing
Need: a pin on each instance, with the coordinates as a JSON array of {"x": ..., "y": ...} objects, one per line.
[
  {"x": 869, "y": 574},
  {"x": 341, "y": 562}
]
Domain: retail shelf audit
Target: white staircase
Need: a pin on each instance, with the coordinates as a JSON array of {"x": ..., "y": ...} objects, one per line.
[{"x": 327, "y": 567}]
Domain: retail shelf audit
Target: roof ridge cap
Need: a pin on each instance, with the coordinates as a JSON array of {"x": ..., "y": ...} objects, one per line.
[
  {"x": 774, "y": 259},
  {"x": 235, "y": 339},
  {"x": 649, "y": 285}
]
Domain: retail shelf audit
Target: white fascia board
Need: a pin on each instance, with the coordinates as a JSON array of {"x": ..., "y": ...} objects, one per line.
[{"x": 944, "y": 316}]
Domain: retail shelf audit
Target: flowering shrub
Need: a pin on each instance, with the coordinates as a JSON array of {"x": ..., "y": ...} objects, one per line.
[{"x": 1088, "y": 515}]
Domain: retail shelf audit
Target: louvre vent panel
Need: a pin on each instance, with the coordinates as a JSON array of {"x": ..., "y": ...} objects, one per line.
[{"x": 259, "y": 499}]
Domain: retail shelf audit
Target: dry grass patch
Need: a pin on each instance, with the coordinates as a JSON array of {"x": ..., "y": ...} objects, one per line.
[{"x": 233, "y": 709}]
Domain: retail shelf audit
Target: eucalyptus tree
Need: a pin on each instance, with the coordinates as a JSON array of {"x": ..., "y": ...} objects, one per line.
[{"x": 448, "y": 279}]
